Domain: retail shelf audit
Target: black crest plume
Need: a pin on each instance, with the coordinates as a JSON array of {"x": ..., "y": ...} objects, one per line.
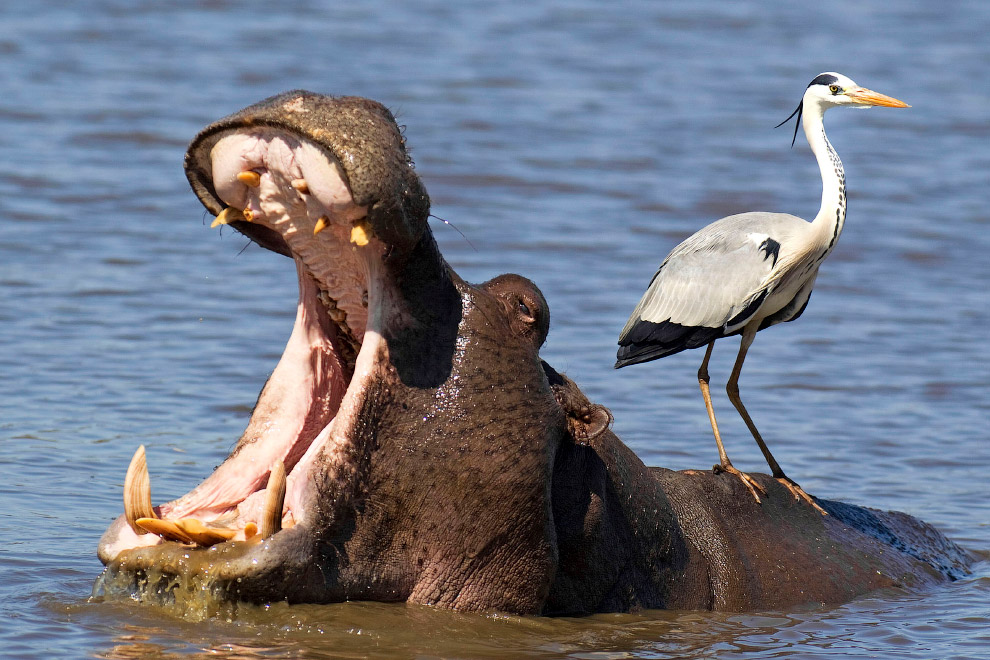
[{"x": 797, "y": 123}]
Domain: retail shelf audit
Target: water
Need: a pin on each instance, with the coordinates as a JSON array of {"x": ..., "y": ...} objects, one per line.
[{"x": 572, "y": 142}]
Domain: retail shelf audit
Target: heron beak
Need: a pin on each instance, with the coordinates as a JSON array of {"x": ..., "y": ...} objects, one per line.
[{"x": 870, "y": 98}]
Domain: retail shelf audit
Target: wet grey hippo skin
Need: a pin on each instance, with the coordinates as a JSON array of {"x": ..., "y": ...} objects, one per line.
[{"x": 432, "y": 457}]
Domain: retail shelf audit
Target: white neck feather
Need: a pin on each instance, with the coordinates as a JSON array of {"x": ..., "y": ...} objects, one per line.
[{"x": 832, "y": 215}]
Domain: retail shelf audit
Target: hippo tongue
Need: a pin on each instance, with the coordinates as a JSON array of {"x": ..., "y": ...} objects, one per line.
[{"x": 299, "y": 401}]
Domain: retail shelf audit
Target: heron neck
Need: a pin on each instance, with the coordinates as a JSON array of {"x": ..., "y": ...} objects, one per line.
[{"x": 832, "y": 214}]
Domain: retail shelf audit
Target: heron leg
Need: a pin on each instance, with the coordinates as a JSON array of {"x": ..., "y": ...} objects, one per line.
[
  {"x": 732, "y": 389},
  {"x": 725, "y": 465}
]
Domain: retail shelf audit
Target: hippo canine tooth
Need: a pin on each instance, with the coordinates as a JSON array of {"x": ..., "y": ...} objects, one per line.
[
  {"x": 137, "y": 491},
  {"x": 301, "y": 186},
  {"x": 249, "y": 178},
  {"x": 228, "y": 215},
  {"x": 321, "y": 224},
  {"x": 271, "y": 516}
]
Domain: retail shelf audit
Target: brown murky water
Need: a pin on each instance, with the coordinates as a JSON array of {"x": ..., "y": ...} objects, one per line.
[{"x": 574, "y": 143}]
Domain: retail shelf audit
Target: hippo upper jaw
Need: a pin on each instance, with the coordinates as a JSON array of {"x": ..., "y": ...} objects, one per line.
[
  {"x": 291, "y": 188},
  {"x": 358, "y": 137}
]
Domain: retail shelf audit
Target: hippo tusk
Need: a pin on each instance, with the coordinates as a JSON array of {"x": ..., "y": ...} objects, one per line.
[
  {"x": 203, "y": 535},
  {"x": 271, "y": 516},
  {"x": 141, "y": 516},
  {"x": 193, "y": 531},
  {"x": 137, "y": 491},
  {"x": 301, "y": 186},
  {"x": 167, "y": 529}
]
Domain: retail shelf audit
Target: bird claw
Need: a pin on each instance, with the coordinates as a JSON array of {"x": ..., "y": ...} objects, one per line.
[
  {"x": 747, "y": 480},
  {"x": 799, "y": 493}
]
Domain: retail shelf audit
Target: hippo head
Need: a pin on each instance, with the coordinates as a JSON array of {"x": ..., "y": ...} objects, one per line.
[{"x": 403, "y": 447}]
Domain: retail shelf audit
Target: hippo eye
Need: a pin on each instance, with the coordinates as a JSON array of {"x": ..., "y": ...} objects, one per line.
[{"x": 524, "y": 309}]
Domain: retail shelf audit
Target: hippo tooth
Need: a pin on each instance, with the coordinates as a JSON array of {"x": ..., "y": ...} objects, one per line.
[
  {"x": 137, "y": 491},
  {"x": 301, "y": 186},
  {"x": 271, "y": 516},
  {"x": 249, "y": 178},
  {"x": 248, "y": 215},
  {"x": 250, "y": 530},
  {"x": 321, "y": 224},
  {"x": 203, "y": 535},
  {"x": 228, "y": 215},
  {"x": 167, "y": 529},
  {"x": 359, "y": 234}
]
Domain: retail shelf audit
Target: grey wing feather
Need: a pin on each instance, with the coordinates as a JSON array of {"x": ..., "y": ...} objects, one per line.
[{"x": 717, "y": 273}]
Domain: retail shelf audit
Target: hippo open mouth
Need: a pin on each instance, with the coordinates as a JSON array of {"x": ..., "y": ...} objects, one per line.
[
  {"x": 290, "y": 186},
  {"x": 296, "y": 196}
]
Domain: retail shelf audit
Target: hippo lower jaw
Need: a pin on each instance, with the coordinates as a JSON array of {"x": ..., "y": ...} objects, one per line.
[{"x": 308, "y": 417}]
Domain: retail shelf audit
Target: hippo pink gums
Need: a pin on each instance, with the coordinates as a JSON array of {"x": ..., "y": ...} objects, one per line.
[{"x": 412, "y": 446}]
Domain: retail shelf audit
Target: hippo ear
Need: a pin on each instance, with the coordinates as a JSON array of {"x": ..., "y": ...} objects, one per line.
[{"x": 585, "y": 420}]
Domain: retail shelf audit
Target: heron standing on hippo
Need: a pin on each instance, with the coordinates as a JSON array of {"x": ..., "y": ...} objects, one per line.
[{"x": 411, "y": 445}]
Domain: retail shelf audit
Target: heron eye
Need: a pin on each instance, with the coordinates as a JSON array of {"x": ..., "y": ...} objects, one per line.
[{"x": 834, "y": 89}]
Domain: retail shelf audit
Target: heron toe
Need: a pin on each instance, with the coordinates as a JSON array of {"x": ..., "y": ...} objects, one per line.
[
  {"x": 747, "y": 480},
  {"x": 799, "y": 493}
]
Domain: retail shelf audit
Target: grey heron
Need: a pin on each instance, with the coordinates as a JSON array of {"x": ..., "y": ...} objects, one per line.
[{"x": 749, "y": 271}]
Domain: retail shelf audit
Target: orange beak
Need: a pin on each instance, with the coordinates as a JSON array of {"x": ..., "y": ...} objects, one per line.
[{"x": 869, "y": 97}]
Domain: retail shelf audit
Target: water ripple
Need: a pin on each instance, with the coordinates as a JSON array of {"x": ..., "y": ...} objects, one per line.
[{"x": 570, "y": 142}]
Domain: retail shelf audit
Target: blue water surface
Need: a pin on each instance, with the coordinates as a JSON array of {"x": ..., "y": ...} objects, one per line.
[{"x": 573, "y": 142}]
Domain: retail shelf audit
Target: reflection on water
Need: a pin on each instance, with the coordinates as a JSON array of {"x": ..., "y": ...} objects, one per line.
[
  {"x": 570, "y": 142},
  {"x": 893, "y": 623}
]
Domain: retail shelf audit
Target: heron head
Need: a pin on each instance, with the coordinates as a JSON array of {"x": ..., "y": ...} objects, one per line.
[
  {"x": 831, "y": 89},
  {"x": 834, "y": 89}
]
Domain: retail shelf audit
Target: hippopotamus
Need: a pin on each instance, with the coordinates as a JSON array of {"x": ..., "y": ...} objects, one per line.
[{"x": 412, "y": 446}]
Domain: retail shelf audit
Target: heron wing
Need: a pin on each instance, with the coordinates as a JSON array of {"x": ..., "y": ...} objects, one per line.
[{"x": 713, "y": 281}]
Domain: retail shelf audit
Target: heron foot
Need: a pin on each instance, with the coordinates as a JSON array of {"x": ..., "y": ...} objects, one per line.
[
  {"x": 799, "y": 493},
  {"x": 747, "y": 480}
]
